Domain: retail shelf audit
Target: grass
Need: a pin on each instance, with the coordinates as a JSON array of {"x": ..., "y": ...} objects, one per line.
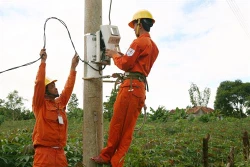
[{"x": 157, "y": 144}]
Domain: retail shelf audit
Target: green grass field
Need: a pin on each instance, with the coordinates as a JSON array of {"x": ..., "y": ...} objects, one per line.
[{"x": 157, "y": 144}]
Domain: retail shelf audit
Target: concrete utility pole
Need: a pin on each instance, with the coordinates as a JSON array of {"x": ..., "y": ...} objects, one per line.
[{"x": 92, "y": 95}]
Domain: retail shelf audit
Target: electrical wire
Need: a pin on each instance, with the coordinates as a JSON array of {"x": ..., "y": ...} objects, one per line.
[
  {"x": 236, "y": 11},
  {"x": 44, "y": 35},
  {"x": 241, "y": 17},
  {"x": 20, "y": 66},
  {"x": 110, "y": 11},
  {"x": 44, "y": 39}
]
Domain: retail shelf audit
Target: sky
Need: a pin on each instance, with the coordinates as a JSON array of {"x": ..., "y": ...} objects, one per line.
[{"x": 204, "y": 42}]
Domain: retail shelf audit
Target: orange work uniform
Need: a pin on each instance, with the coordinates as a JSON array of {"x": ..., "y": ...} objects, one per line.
[
  {"x": 50, "y": 134},
  {"x": 140, "y": 57}
]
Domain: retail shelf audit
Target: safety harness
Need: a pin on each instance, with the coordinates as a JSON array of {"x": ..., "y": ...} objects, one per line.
[{"x": 131, "y": 76}]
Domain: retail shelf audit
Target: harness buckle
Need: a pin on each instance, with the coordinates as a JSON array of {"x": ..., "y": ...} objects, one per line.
[{"x": 131, "y": 90}]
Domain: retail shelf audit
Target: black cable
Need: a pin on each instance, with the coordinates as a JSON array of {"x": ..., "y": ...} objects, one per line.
[
  {"x": 44, "y": 39},
  {"x": 110, "y": 11},
  {"x": 44, "y": 36},
  {"x": 20, "y": 66}
]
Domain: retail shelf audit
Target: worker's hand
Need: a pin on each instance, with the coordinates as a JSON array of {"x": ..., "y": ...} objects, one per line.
[
  {"x": 110, "y": 53},
  {"x": 43, "y": 55},
  {"x": 75, "y": 61}
]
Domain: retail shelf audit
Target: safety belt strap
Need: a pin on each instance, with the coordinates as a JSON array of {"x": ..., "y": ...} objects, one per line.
[{"x": 131, "y": 76}]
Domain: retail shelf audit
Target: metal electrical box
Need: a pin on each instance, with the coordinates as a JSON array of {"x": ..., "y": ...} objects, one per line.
[
  {"x": 108, "y": 37},
  {"x": 111, "y": 36},
  {"x": 91, "y": 56}
]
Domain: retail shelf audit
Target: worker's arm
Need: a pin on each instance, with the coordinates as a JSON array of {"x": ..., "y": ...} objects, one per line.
[
  {"x": 39, "y": 90},
  {"x": 69, "y": 86},
  {"x": 126, "y": 61}
]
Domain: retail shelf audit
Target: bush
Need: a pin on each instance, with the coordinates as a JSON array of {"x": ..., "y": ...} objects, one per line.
[
  {"x": 191, "y": 118},
  {"x": 1, "y": 119},
  {"x": 160, "y": 114},
  {"x": 204, "y": 118}
]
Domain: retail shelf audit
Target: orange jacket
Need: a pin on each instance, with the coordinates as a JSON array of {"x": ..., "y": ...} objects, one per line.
[
  {"x": 47, "y": 130},
  {"x": 140, "y": 57}
]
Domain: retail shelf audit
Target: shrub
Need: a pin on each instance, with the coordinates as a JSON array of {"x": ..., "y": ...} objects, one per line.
[
  {"x": 1, "y": 119},
  {"x": 204, "y": 118}
]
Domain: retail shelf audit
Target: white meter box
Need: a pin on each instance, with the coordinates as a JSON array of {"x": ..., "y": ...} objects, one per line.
[
  {"x": 107, "y": 37},
  {"x": 91, "y": 56},
  {"x": 111, "y": 36}
]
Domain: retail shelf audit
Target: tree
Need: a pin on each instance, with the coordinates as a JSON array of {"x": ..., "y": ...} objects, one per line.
[
  {"x": 233, "y": 98},
  {"x": 74, "y": 111},
  {"x": 1, "y": 119},
  {"x": 26, "y": 114},
  {"x": 247, "y": 105},
  {"x": 14, "y": 103},
  {"x": 73, "y": 102},
  {"x": 1, "y": 111},
  {"x": 2, "y": 102},
  {"x": 198, "y": 98}
]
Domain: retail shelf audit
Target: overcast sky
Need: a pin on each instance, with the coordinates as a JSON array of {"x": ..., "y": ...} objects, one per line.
[{"x": 204, "y": 42}]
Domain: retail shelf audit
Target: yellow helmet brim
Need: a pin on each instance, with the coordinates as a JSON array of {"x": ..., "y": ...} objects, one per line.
[
  {"x": 48, "y": 81},
  {"x": 141, "y": 14}
]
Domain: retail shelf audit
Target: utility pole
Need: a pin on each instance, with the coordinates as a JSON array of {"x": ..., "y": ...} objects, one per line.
[{"x": 92, "y": 94}]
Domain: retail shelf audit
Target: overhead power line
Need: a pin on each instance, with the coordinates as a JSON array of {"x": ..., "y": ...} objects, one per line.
[{"x": 237, "y": 12}]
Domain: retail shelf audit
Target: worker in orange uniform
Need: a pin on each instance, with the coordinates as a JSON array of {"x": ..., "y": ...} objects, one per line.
[
  {"x": 50, "y": 131},
  {"x": 136, "y": 64}
]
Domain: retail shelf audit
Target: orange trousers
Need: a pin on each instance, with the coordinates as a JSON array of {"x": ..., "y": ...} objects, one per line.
[
  {"x": 127, "y": 108},
  {"x": 49, "y": 157}
]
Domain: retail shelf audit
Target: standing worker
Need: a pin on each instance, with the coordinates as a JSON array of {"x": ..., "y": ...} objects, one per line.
[
  {"x": 136, "y": 64},
  {"x": 50, "y": 131}
]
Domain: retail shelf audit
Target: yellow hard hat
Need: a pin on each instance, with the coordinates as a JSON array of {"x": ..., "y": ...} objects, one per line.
[
  {"x": 139, "y": 15},
  {"x": 48, "y": 81}
]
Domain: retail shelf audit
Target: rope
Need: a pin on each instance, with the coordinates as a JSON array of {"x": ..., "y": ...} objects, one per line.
[
  {"x": 44, "y": 39},
  {"x": 144, "y": 118}
]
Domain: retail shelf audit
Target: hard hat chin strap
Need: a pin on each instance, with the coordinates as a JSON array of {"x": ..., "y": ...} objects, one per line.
[{"x": 137, "y": 27}]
